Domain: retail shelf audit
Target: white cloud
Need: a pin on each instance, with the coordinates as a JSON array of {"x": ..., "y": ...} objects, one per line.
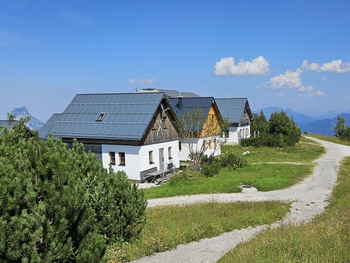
[
  {"x": 336, "y": 66},
  {"x": 312, "y": 94},
  {"x": 288, "y": 80},
  {"x": 323, "y": 78},
  {"x": 291, "y": 80},
  {"x": 257, "y": 67},
  {"x": 142, "y": 81}
]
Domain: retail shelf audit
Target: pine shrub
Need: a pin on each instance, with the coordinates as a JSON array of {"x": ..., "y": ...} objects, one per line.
[
  {"x": 279, "y": 131},
  {"x": 59, "y": 205},
  {"x": 232, "y": 160}
]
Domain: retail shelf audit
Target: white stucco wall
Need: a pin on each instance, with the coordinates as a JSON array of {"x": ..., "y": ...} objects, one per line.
[
  {"x": 238, "y": 133},
  {"x": 197, "y": 144},
  {"x": 137, "y": 157}
]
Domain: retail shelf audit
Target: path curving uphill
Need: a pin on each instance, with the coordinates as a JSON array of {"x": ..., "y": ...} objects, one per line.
[{"x": 310, "y": 198}]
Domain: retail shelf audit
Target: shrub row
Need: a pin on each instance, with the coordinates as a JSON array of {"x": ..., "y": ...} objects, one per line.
[
  {"x": 212, "y": 165},
  {"x": 279, "y": 131}
]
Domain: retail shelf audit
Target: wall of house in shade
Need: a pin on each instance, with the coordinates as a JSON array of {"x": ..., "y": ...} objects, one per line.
[
  {"x": 236, "y": 134},
  {"x": 197, "y": 144},
  {"x": 138, "y": 159}
]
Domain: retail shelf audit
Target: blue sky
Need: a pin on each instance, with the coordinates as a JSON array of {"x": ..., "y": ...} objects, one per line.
[{"x": 276, "y": 53}]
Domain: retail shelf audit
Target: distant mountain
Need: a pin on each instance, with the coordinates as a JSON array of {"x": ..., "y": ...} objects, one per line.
[
  {"x": 298, "y": 117},
  {"x": 328, "y": 115},
  {"x": 325, "y": 126},
  {"x": 33, "y": 124}
]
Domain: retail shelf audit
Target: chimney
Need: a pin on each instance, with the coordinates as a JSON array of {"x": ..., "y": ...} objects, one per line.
[
  {"x": 179, "y": 104},
  {"x": 136, "y": 90}
]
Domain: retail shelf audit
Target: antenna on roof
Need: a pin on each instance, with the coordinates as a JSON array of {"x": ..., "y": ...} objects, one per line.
[
  {"x": 136, "y": 89},
  {"x": 227, "y": 97}
]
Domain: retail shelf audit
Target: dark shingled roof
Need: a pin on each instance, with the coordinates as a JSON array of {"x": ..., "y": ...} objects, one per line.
[
  {"x": 45, "y": 129},
  {"x": 127, "y": 116},
  {"x": 184, "y": 105},
  {"x": 233, "y": 108}
]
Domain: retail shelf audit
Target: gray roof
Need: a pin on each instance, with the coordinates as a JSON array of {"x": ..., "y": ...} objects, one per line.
[
  {"x": 232, "y": 108},
  {"x": 188, "y": 104},
  {"x": 184, "y": 105},
  {"x": 45, "y": 129},
  {"x": 5, "y": 123},
  {"x": 127, "y": 116},
  {"x": 172, "y": 93}
]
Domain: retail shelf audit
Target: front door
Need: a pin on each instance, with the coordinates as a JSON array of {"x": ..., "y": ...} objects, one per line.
[{"x": 161, "y": 159}]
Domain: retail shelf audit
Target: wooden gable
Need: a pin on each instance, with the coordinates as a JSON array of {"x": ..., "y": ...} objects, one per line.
[
  {"x": 212, "y": 123},
  {"x": 246, "y": 116},
  {"x": 162, "y": 127}
]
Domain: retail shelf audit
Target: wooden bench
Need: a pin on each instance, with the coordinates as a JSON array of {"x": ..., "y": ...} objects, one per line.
[
  {"x": 144, "y": 175},
  {"x": 151, "y": 175}
]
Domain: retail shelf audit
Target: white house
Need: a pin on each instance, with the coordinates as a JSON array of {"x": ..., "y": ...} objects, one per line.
[
  {"x": 131, "y": 132},
  {"x": 205, "y": 138},
  {"x": 238, "y": 113}
]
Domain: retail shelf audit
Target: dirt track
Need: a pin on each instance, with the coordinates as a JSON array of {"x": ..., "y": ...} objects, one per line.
[{"x": 310, "y": 198}]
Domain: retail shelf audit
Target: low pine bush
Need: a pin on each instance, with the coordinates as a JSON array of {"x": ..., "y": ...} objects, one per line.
[
  {"x": 232, "y": 160},
  {"x": 279, "y": 131},
  {"x": 59, "y": 205}
]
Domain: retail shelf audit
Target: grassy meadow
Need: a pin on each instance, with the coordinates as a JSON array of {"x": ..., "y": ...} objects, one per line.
[
  {"x": 261, "y": 175},
  {"x": 304, "y": 152},
  {"x": 168, "y": 227},
  {"x": 330, "y": 139},
  {"x": 325, "y": 239}
]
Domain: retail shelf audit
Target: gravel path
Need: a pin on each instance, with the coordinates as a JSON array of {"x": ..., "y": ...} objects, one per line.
[{"x": 310, "y": 198}]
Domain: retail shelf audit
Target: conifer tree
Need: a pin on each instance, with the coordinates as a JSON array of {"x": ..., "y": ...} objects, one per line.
[
  {"x": 50, "y": 208},
  {"x": 339, "y": 126}
]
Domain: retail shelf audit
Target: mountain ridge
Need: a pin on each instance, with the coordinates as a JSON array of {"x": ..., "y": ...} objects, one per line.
[
  {"x": 307, "y": 123},
  {"x": 33, "y": 124}
]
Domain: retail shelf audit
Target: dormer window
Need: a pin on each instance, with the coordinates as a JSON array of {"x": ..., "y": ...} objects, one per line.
[{"x": 101, "y": 116}]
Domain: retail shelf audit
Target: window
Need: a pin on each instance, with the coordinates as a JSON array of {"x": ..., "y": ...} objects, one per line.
[
  {"x": 121, "y": 158},
  {"x": 204, "y": 145},
  {"x": 154, "y": 124},
  {"x": 165, "y": 122},
  {"x": 101, "y": 116},
  {"x": 150, "y": 155},
  {"x": 169, "y": 153},
  {"x": 215, "y": 143},
  {"x": 112, "y": 158},
  {"x": 210, "y": 146},
  {"x": 180, "y": 146}
]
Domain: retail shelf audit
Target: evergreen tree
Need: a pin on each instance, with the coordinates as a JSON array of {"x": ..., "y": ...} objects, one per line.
[
  {"x": 59, "y": 205},
  {"x": 339, "y": 126}
]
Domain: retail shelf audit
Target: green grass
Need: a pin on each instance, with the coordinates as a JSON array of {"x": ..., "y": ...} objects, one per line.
[
  {"x": 330, "y": 139},
  {"x": 302, "y": 152},
  {"x": 167, "y": 227},
  {"x": 264, "y": 177},
  {"x": 325, "y": 239}
]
